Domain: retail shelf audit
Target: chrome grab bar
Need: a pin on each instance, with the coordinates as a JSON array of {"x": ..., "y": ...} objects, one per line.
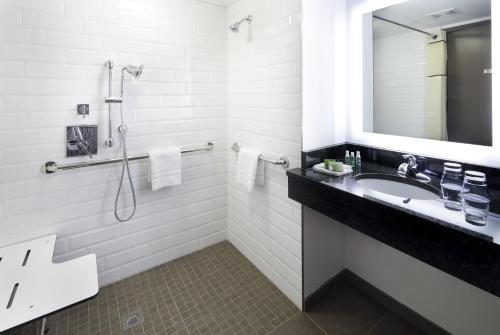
[
  {"x": 51, "y": 167},
  {"x": 283, "y": 160}
]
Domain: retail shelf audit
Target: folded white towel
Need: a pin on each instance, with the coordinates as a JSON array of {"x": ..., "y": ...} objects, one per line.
[
  {"x": 164, "y": 167},
  {"x": 250, "y": 170}
]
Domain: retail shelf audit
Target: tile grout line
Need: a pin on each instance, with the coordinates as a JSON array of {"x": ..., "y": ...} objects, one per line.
[
  {"x": 317, "y": 325},
  {"x": 284, "y": 322},
  {"x": 378, "y": 322}
]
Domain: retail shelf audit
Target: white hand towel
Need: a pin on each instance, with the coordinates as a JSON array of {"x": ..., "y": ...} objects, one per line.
[
  {"x": 164, "y": 167},
  {"x": 250, "y": 170}
]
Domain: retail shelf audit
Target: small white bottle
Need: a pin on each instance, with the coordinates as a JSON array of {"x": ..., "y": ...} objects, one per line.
[
  {"x": 358, "y": 158},
  {"x": 353, "y": 159},
  {"x": 347, "y": 158}
]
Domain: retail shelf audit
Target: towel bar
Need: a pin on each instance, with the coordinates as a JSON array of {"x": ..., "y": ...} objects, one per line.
[
  {"x": 51, "y": 167},
  {"x": 283, "y": 160}
]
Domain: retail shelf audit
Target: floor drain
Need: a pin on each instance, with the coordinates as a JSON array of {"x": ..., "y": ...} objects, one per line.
[{"x": 132, "y": 319}]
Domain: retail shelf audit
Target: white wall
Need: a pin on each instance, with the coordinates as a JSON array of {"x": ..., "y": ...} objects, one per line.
[
  {"x": 51, "y": 58},
  {"x": 456, "y": 306},
  {"x": 324, "y": 81},
  {"x": 264, "y": 111},
  {"x": 324, "y": 249}
]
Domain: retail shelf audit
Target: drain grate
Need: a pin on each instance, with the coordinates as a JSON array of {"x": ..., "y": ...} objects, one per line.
[{"x": 132, "y": 319}]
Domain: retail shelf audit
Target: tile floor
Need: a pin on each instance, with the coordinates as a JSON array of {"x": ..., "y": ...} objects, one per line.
[
  {"x": 213, "y": 291},
  {"x": 218, "y": 291},
  {"x": 345, "y": 309}
]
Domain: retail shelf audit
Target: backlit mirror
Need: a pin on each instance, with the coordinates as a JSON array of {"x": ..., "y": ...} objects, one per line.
[{"x": 431, "y": 67}]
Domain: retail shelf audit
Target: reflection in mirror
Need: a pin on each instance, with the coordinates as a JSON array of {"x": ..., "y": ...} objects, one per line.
[{"x": 432, "y": 71}]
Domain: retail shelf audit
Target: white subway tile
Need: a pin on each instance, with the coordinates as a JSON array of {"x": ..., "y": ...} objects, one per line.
[
  {"x": 50, "y": 71},
  {"x": 68, "y": 40},
  {"x": 93, "y": 237},
  {"x": 21, "y": 36},
  {"x": 10, "y": 17},
  {"x": 47, "y": 6},
  {"x": 31, "y": 53},
  {"x": 72, "y": 87},
  {"x": 52, "y": 22},
  {"x": 22, "y": 86},
  {"x": 11, "y": 70},
  {"x": 88, "y": 57},
  {"x": 89, "y": 11}
]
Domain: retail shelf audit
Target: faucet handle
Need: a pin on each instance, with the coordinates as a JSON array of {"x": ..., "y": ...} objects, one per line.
[
  {"x": 76, "y": 141},
  {"x": 84, "y": 146},
  {"x": 412, "y": 161}
]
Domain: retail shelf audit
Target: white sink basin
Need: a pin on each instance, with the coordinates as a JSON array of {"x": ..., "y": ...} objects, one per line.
[{"x": 399, "y": 187}]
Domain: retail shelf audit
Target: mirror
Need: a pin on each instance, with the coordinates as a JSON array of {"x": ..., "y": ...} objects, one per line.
[{"x": 430, "y": 61}]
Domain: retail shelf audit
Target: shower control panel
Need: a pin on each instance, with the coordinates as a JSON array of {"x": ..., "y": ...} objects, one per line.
[{"x": 81, "y": 141}]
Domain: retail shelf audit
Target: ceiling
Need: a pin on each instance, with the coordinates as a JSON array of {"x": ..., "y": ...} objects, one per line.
[
  {"x": 415, "y": 13},
  {"x": 223, "y": 3}
]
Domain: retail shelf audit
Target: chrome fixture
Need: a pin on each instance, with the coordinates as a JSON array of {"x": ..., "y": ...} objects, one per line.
[
  {"x": 52, "y": 167},
  {"x": 109, "y": 65},
  {"x": 413, "y": 168},
  {"x": 83, "y": 109},
  {"x": 235, "y": 27},
  {"x": 113, "y": 100},
  {"x": 433, "y": 36},
  {"x": 136, "y": 72},
  {"x": 76, "y": 143},
  {"x": 283, "y": 160}
]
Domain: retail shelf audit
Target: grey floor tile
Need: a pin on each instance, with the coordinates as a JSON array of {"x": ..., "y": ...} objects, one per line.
[
  {"x": 392, "y": 324},
  {"x": 298, "y": 325},
  {"x": 213, "y": 291},
  {"x": 344, "y": 310}
]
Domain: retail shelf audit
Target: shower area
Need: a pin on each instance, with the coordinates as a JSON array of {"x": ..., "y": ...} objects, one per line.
[{"x": 203, "y": 76}]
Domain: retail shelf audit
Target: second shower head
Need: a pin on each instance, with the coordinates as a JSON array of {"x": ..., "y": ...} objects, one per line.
[
  {"x": 235, "y": 27},
  {"x": 135, "y": 71}
]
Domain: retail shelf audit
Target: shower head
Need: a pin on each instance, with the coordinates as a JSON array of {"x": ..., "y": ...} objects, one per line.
[
  {"x": 135, "y": 71},
  {"x": 235, "y": 27}
]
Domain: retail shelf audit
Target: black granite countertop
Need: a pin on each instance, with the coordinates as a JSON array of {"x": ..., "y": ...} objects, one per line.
[
  {"x": 423, "y": 229},
  {"x": 432, "y": 210}
]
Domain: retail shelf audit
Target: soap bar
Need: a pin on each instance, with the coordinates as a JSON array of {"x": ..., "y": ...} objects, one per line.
[
  {"x": 337, "y": 166},
  {"x": 333, "y": 165}
]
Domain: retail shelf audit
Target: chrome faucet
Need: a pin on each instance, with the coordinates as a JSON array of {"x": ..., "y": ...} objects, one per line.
[{"x": 413, "y": 168}]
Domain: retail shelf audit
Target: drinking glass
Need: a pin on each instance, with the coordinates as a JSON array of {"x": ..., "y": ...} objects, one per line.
[
  {"x": 475, "y": 198},
  {"x": 451, "y": 185}
]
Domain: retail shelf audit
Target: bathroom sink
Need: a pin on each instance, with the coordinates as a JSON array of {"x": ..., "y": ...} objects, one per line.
[{"x": 398, "y": 186}]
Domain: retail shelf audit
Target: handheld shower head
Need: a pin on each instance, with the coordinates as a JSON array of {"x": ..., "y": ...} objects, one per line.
[{"x": 135, "y": 71}]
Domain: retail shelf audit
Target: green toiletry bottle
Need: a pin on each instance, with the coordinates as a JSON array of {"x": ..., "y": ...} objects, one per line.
[{"x": 347, "y": 158}]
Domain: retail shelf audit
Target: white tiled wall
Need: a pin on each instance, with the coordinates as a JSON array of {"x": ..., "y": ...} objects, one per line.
[
  {"x": 399, "y": 85},
  {"x": 264, "y": 111},
  {"x": 51, "y": 58}
]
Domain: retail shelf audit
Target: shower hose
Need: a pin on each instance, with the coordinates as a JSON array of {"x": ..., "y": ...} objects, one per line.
[{"x": 122, "y": 129}]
